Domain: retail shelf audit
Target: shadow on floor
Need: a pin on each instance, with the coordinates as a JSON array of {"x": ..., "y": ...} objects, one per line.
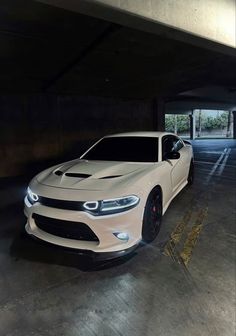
[{"x": 25, "y": 247}]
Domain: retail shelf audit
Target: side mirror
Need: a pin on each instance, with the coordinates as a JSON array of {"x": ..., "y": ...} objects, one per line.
[{"x": 172, "y": 156}]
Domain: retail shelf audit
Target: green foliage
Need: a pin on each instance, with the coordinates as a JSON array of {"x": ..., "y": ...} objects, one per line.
[
  {"x": 182, "y": 123},
  {"x": 207, "y": 122},
  {"x": 169, "y": 123},
  {"x": 210, "y": 122}
]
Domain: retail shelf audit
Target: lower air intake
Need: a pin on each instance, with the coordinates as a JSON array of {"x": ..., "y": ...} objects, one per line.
[{"x": 65, "y": 229}]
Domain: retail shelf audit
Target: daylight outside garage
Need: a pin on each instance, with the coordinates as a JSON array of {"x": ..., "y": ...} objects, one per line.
[
  {"x": 214, "y": 124},
  {"x": 208, "y": 124}
]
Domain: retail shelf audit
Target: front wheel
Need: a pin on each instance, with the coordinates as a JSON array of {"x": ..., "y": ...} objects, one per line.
[{"x": 152, "y": 216}]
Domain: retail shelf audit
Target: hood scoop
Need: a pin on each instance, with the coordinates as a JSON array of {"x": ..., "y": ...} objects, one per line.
[
  {"x": 58, "y": 173},
  {"x": 77, "y": 175},
  {"x": 109, "y": 177},
  {"x": 90, "y": 175}
]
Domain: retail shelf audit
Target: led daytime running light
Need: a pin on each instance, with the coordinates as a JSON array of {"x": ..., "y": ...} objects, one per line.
[{"x": 34, "y": 197}]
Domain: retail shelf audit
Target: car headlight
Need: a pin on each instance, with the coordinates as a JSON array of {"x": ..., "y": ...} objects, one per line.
[
  {"x": 32, "y": 197},
  {"x": 114, "y": 205}
]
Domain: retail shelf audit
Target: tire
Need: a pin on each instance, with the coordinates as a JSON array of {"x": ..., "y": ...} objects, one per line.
[
  {"x": 191, "y": 174},
  {"x": 152, "y": 216}
]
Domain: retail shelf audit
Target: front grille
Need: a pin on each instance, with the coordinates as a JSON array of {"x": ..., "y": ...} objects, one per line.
[
  {"x": 61, "y": 204},
  {"x": 64, "y": 205},
  {"x": 65, "y": 229}
]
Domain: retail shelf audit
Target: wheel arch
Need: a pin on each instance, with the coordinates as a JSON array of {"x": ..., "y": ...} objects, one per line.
[
  {"x": 156, "y": 188},
  {"x": 147, "y": 234}
]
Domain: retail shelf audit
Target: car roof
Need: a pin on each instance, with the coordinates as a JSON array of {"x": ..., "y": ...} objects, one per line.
[{"x": 139, "y": 134}]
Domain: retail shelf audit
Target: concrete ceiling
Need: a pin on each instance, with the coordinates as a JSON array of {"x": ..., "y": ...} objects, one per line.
[{"x": 46, "y": 49}]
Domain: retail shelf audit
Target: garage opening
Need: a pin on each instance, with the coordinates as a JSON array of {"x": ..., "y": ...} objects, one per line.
[
  {"x": 208, "y": 124},
  {"x": 213, "y": 124}
]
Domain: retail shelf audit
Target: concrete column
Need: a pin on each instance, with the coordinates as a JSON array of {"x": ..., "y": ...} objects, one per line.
[
  {"x": 234, "y": 124},
  {"x": 192, "y": 126},
  {"x": 158, "y": 114},
  {"x": 176, "y": 128}
]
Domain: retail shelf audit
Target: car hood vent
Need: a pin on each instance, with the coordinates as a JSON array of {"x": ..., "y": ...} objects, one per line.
[
  {"x": 91, "y": 175},
  {"x": 109, "y": 177},
  {"x": 58, "y": 173},
  {"x": 77, "y": 175}
]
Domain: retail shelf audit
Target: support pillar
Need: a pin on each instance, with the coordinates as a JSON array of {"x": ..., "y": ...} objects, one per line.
[
  {"x": 176, "y": 128},
  {"x": 234, "y": 124},
  {"x": 192, "y": 126},
  {"x": 158, "y": 114}
]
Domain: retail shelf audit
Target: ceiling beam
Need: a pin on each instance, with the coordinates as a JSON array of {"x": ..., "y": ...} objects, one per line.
[
  {"x": 138, "y": 17},
  {"x": 109, "y": 30}
]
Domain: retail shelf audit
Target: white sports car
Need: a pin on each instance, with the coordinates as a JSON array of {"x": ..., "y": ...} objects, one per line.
[{"x": 113, "y": 196}]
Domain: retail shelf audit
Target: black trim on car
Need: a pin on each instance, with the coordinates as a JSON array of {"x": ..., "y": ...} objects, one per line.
[
  {"x": 65, "y": 229},
  {"x": 61, "y": 204},
  {"x": 77, "y": 206},
  {"x": 187, "y": 142},
  {"x": 96, "y": 256}
]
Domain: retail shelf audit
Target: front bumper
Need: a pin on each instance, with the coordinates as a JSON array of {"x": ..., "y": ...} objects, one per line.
[
  {"x": 95, "y": 256},
  {"x": 103, "y": 227}
]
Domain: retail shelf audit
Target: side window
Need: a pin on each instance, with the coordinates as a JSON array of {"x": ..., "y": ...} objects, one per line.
[{"x": 167, "y": 145}]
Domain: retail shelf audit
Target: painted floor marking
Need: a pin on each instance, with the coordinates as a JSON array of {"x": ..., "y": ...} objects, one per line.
[
  {"x": 211, "y": 152},
  {"x": 216, "y": 165},
  {"x": 176, "y": 235},
  {"x": 222, "y": 167},
  {"x": 212, "y": 163},
  {"x": 183, "y": 256},
  {"x": 193, "y": 236}
]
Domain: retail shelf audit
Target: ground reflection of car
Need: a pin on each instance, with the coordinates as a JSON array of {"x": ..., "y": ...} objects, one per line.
[{"x": 113, "y": 196}]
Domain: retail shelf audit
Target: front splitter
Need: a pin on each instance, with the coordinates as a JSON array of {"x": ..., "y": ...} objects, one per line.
[{"x": 97, "y": 256}]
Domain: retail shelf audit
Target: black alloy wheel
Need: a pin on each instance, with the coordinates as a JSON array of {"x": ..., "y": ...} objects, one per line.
[{"x": 152, "y": 216}]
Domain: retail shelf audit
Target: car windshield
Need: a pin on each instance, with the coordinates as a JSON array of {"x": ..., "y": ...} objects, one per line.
[{"x": 129, "y": 149}]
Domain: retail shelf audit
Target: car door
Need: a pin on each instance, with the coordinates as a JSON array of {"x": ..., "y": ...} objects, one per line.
[
  {"x": 184, "y": 160},
  {"x": 172, "y": 143}
]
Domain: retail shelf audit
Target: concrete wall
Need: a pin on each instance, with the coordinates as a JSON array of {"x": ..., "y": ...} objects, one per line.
[
  {"x": 37, "y": 131},
  {"x": 212, "y": 20}
]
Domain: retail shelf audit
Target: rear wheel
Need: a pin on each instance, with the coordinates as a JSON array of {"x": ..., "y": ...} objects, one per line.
[
  {"x": 152, "y": 216},
  {"x": 191, "y": 173}
]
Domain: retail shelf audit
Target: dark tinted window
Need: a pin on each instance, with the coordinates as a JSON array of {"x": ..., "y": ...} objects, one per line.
[
  {"x": 130, "y": 149},
  {"x": 167, "y": 145}
]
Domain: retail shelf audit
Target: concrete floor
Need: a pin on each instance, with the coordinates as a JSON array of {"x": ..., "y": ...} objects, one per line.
[{"x": 45, "y": 291}]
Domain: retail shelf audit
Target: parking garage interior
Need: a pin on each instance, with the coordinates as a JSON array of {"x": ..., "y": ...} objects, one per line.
[{"x": 72, "y": 72}]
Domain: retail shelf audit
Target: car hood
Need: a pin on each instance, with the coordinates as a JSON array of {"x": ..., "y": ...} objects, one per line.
[{"x": 90, "y": 175}]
